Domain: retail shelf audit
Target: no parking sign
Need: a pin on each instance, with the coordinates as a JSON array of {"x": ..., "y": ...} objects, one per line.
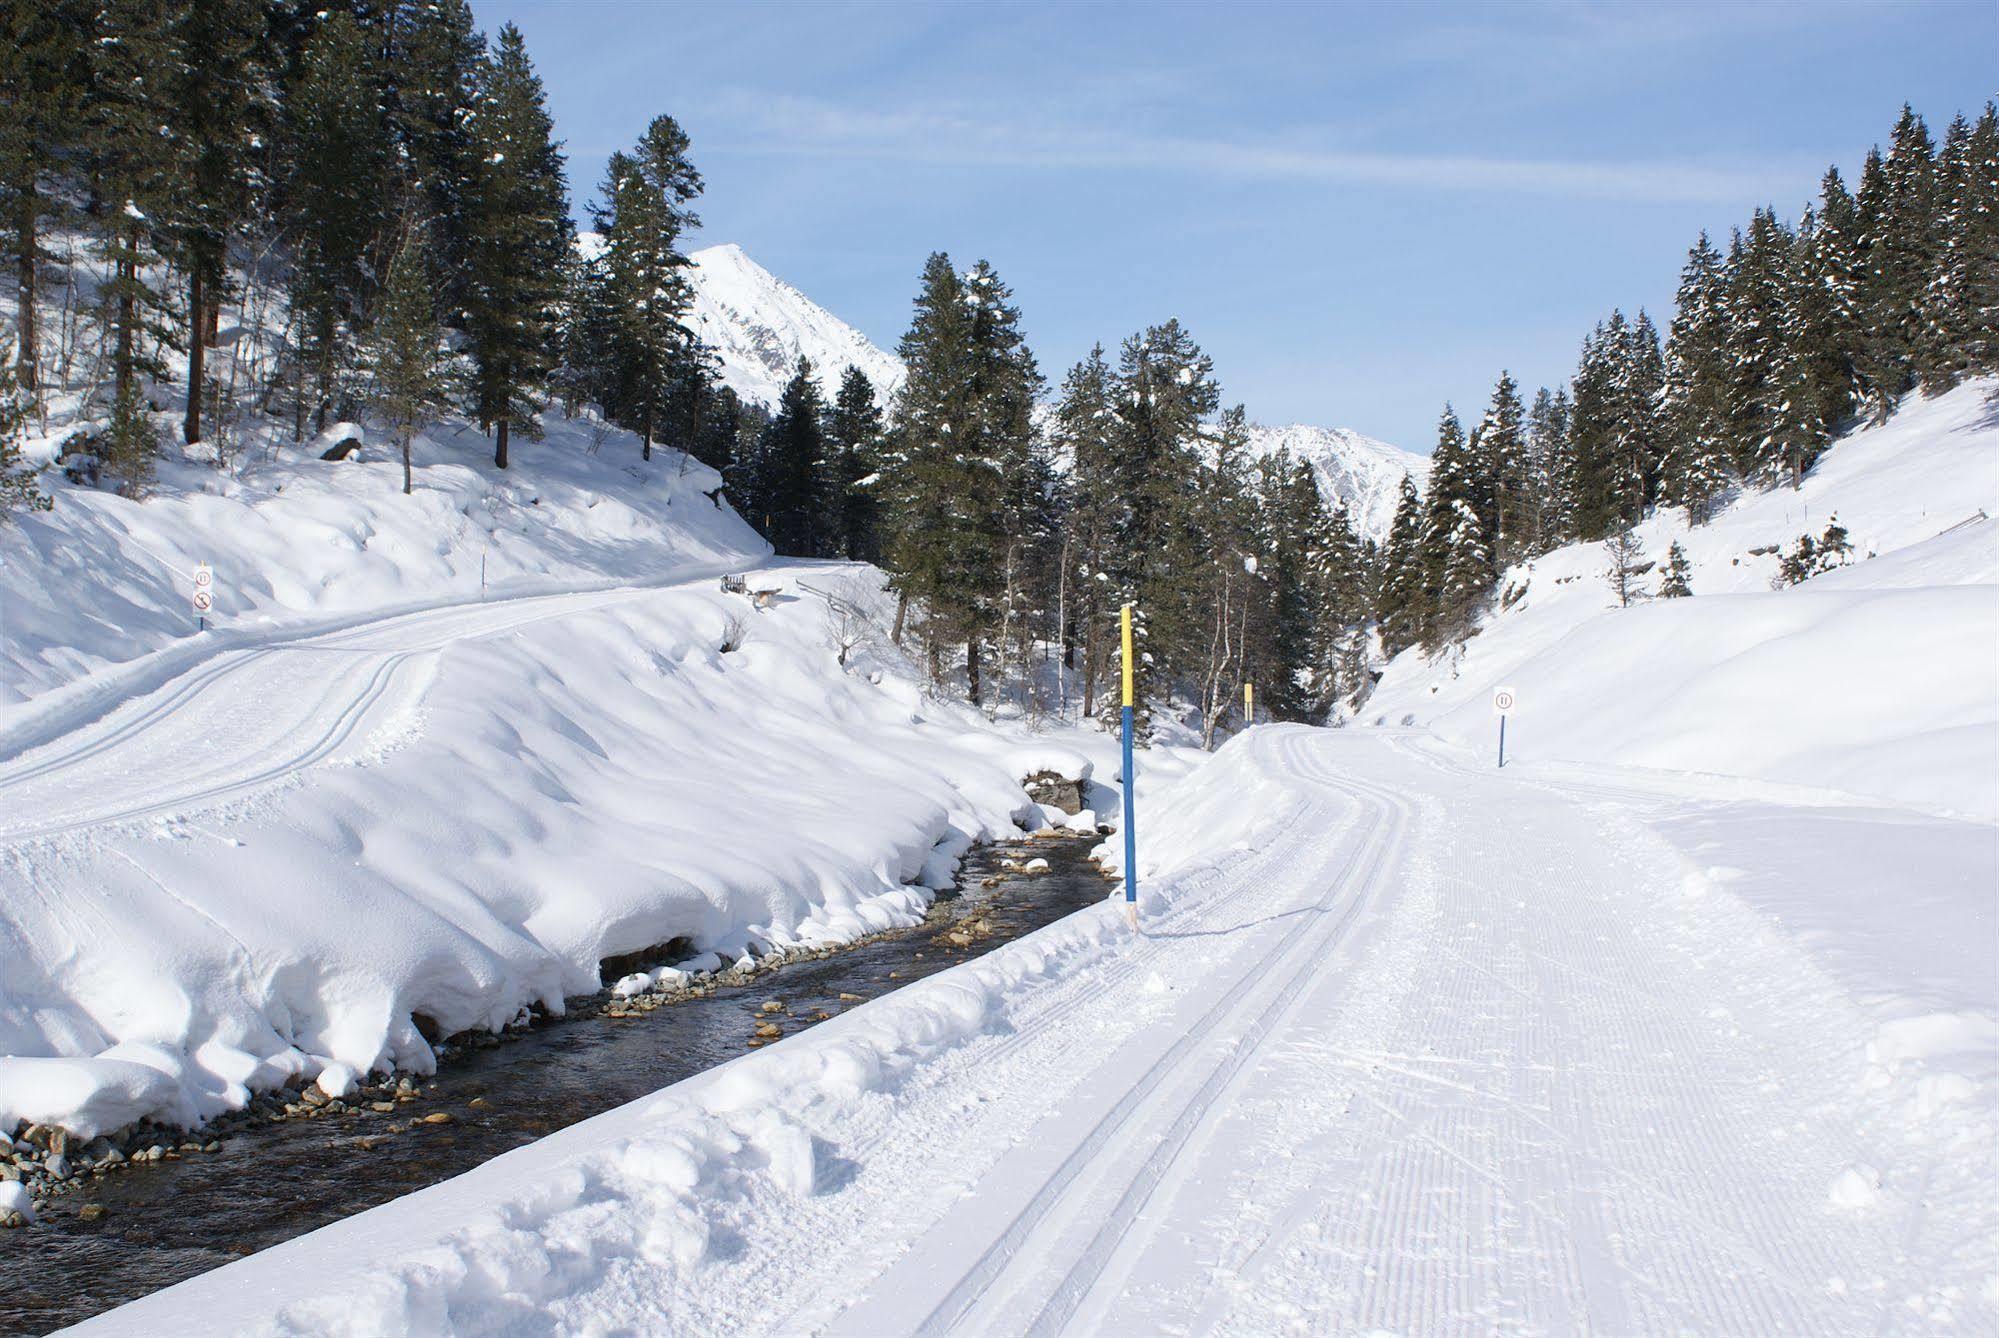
[
  {"x": 204, "y": 591},
  {"x": 1503, "y": 701}
]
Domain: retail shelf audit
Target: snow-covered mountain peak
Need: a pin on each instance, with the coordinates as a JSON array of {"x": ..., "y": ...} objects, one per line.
[
  {"x": 1364, "y": 473},
  {"x": 760, "y": 325}
]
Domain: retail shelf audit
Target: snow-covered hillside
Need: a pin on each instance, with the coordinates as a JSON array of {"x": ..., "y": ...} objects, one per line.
[
  {"x": 379, "y": 788},
  {"x": 760, "y": 326},
  {"x": 1878, "y": 679},
  {"x": 1363, "y": 473}
]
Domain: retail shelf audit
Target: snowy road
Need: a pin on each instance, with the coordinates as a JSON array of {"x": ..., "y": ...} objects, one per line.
[{"x": 1438, "y": 1051}]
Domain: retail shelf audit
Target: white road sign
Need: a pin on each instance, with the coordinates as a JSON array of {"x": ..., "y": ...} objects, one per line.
[
  {"x": 204, "y": 589},
  {"x": 1502, "y": 701}
]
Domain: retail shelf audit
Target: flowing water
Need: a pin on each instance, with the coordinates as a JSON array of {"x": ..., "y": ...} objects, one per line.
[{"x": 270, "y": 1182}]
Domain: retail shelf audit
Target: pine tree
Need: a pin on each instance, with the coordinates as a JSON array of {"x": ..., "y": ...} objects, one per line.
[
  {"x": 45, "y": 60},
  {"x": 411, "y": 388},
  {"x": 1164, "y": 390},
  {"x": 131, "y": 174},
  {"x": 1627, "y": 567},
  {"x": 19, "y": 490},
  {"x": 1227, "y": 588},
  {"x": 1506, "y": 460},
  {"x": 1961, "y": 302},
  {"x": 794, "y": 463},
  {"x": 1694, "y": 403},
  {"x": 853, "y": 448},
  {"x": 1084, "y": 427},
  {"x": 517, "y": 244},
  {"x": 1674, "y": 584},
  {"x": 1827, "y": 293},
  {"x": 130, "y": 442},
  {"x": 1294, "y": 521},
  {"x": 1765, "y": 373},
  {"x": 431, "y": 65},
  {"x": 934, "y": 534},
  {"x": 1006, "y": 483},
  {"x": 1900, "y": 206},
  {"x": 645, "y": 288},
  {"x": 1640, "y": 438},
  {"x": 1595, "y": 426},
  {"x": 1465, "y": 586},
  {"x": 336, "y": 162},
  {"x": 1554, "y": 468},
  {"x": 219, "y": 108},
  {"x": 1405, "y": 601}
]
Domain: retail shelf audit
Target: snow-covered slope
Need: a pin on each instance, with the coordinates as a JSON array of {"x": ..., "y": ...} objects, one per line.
[
  {"x": 1404, "y": 1047},
  {"x": 378, "y": 788},
  {"x": 760, "y": 326},
  {"x": 1363, "y": 473},
  {"x": 1879, "y": 679}
]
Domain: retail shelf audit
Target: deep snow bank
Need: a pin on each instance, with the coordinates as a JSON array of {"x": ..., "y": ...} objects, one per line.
[
  {"x": 644, "y": 1195},
  {"x": 1879, "y": 679},
  {"x": 515, "y": 790}
]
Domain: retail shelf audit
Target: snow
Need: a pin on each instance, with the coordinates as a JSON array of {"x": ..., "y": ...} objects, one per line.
[
  {"x": 1363, "y": 473},
  {"x": 760, "y": 325},
  {"x": 1876, "y": 680},
  {"x": 371, "y": 795},
  {"x": 1406, "y": 1044}
]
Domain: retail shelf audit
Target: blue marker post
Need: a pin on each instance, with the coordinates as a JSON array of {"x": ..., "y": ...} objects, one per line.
[{"x": 1130, "y": 782}]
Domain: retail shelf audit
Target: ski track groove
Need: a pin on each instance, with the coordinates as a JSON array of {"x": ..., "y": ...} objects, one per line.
[
  {"x": 235, "y": 760},
  {"x": 1504, "y": 1102}
]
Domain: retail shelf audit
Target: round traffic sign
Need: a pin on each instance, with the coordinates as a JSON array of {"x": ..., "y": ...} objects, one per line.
[
  {"x": 203, "y": 601},
  {"x": 1502, "y": 700},
  {"x": 203, "y": 578}
]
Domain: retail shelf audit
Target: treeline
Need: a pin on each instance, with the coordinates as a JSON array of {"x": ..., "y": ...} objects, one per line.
[
  {"x": 1013, "y": 536},
  {"x": 1789, "y": 337},
  {"x": 297, "y": 161}
]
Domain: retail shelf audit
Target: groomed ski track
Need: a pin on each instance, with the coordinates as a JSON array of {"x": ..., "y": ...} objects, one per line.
[{"x": 1444, "y": 1051}]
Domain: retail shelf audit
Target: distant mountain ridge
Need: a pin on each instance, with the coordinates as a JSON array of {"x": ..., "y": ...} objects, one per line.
[{"x": 759, "y": 325}]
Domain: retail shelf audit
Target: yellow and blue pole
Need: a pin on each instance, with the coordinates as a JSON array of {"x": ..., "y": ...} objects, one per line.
[
  {"x": 1248, "y": 705},
  {"x": 1130, "y": 781}
]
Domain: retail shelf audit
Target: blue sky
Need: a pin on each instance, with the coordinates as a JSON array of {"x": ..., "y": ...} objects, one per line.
[{"x": 1359, "y": 211}]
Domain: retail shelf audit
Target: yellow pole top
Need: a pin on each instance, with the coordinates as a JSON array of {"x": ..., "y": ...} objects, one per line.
[
  {"x": 1124, "y": 630},
  {"x": 1248, "y": 703}
]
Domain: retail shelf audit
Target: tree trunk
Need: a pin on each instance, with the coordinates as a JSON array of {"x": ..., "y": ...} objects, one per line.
[
  {"x": 901, "y": 613},
  {"x": 128, "y": 277},
  {"x": 500, "y": 446},
  {"x": 27, "y": 355},
  {"x": 972, "y": 670},
  {"x": 197, "y": 349},
  {"x": 1089, "y": 666},
  {"x": 407, "y": 487}
]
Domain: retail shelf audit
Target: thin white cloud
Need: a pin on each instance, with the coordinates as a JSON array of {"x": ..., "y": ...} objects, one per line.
[{"x": 803, "y": 127}]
